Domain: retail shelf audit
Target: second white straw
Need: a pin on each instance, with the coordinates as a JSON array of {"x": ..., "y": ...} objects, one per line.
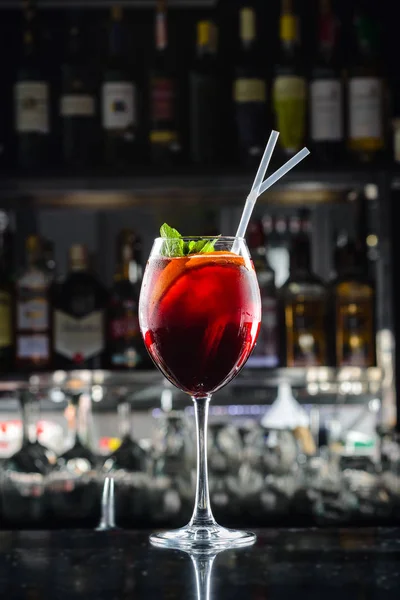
[{"x": 255, "y": 189}]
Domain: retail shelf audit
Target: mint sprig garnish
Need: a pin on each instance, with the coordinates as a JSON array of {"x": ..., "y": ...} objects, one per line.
[{"x": 175, "y": 246}]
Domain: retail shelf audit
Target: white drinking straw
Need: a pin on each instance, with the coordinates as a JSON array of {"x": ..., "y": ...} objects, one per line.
[
  {"x": 262, "y": 187},
  {"x": 255, "y": 188},
  {"x": 283, "y": 170}
]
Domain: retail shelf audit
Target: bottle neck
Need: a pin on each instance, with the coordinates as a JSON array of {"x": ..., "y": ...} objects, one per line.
[
  {"x": 30, "y": 417},
  {"x": 206, "y": 51},
  {"x": 124, "y": 419},
  {"x": 248, "y": 36},
  {"x": 130, "y": 271},
  {"x": 300, "y": 256},
  {"x": 288, "y": 29},
  {"x": 83, "y": 412},
  {"x": 161, "y": 37},
  {"x": 116, "y": 39},
  {"x": 29, "y": 37},
  {"x": 74, "y": 42},
  {"x": 327, "y": 37},
  {"x": 33, "y": 259}
]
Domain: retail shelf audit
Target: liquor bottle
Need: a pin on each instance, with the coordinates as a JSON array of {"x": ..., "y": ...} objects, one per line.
[
  {"x": 289, "y": 88},
  {"x": 31, "y": 98},
  {"x": 33, "y": 334},
  {"x": 266, "y": 352},
  {"x": 165, "y": 143},
  {"x": 77, "y": 101},
  {"x": 366, "y": 94},
  {"x": 119, "y": 100},
  {"x": 326, "y": 92},
  {"x": 125, "y": 344},
  {"x": 6, "y": 299},
  {"x": 250, "y": 92},
  {"x": 304, "y": 303},
  {"x": 205, "y": 113},
  {"x": 79, "y": 309},
  {"x": 353, "y": 304}
]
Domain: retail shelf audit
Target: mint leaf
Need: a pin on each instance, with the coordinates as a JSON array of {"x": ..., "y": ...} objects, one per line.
[
  {"x": 208, "y": 246},
  {"x": 169, "y": 232},
  {"x": 173, "y": 245}
]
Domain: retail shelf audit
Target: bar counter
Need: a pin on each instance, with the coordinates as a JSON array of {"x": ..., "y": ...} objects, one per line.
[{"x": 117, "y": 565}]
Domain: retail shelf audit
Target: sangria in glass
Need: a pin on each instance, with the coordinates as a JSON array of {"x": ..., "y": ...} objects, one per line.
[{"x": 200, "y": 313}]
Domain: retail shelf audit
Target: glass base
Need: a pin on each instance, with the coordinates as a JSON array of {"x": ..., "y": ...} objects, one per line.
[{"x": 203, "y": 539}]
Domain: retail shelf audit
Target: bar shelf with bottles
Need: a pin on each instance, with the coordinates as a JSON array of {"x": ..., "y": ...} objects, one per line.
[
  {"x": 71, "y": 334},
  {"x": 210, "y": 101}
]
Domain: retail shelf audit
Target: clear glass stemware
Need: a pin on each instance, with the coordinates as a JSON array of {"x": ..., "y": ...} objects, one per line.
[{"x": 200, "y": 315}]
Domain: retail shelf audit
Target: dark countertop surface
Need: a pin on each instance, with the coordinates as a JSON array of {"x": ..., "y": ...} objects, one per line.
[{"x": 117, "y": 565}]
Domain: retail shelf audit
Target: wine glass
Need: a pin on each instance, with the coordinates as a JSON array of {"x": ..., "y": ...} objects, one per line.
[
  {"x": 24, "y": 473},
  {"x": 73, "y": 486},
  {"x": 200, "y": 315}
]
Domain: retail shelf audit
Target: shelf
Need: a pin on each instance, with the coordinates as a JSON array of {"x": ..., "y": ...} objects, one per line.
[
  {"x": 102, "y": 4},
  {"x": 145, "y": 389},
  {"x": 298, "y": 187}
]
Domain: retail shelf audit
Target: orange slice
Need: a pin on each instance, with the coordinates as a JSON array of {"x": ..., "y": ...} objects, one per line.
[{"x": 180, "y": 264}]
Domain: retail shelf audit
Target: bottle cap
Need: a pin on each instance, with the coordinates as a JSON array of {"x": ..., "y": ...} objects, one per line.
[
  {"x": 247, "y": 24},
  {"x": 116, "y": 13},
  {"x": 204, "y": 33},
  {"x": 78, "y": 256},
  {"x": 288, "y": 27},
  {"x": 33, "y": 243}
]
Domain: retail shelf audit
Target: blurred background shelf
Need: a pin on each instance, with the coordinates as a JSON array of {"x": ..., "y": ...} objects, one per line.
[
  {"x": 185, "y": 188},
  {"x": 148, "y": 389},
  {"x": 104, "y": 4}
]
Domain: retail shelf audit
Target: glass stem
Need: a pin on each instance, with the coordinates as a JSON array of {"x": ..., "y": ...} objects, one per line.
[
  {"x": 203, "y": 568},
  {"x": 202, "y": 515}
]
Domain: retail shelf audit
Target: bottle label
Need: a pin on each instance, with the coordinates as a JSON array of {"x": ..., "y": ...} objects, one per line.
[
  {"x": 33, "y": 347},
  {"x": 365, "y": 108},
  {"x": 124, "y": 328},
  {"x": 78, "y": 339},
  {"x": 250, "y": 90},
  {"x": 355, "y": 331},
  {"x": 77, "y": 105},
  {"x": 162, "y": 99},
  {"x": 32, "y": 107},
  {"x": 326, "y": 110},
  {"x": 118, "y": 105},
  {"x": 265, "y": 353},
  {"x": 305, "y": 334},
  {"x": 32, "y": 311},
  {"x": 5, "y": 320},
  {"x": 289, "y": 99}
]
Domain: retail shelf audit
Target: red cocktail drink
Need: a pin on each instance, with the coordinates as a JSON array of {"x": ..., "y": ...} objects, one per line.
[
  {"x": 200, "y": 316},
  {"x": 199, "y": 313}
]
